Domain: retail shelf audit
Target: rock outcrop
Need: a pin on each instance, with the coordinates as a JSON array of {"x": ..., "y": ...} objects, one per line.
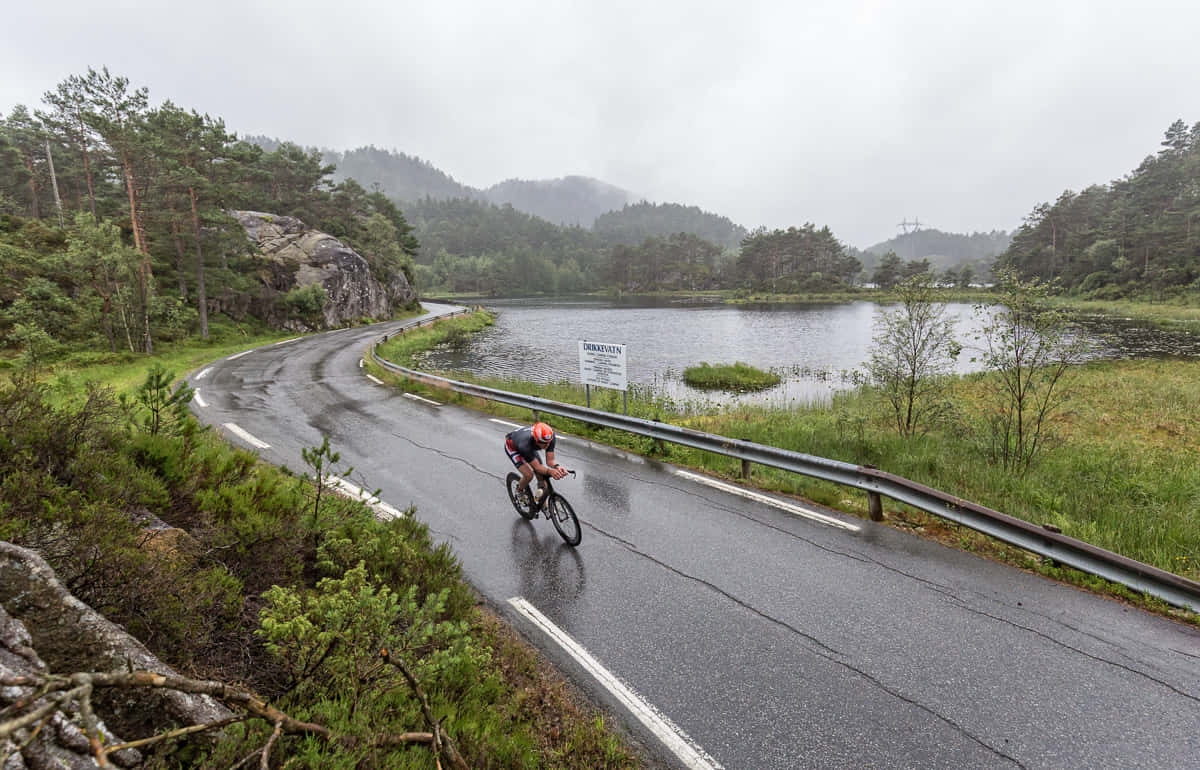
[
  {"x": 43, "y": 625},
  {"x": 298, "y": 256},
  {"x": 61, "y": 743}
]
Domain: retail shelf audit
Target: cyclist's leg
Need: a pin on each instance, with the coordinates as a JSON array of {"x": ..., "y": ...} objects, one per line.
[
  {"x": 523, "y": 467},
  {"x": 526, "y": 471}
]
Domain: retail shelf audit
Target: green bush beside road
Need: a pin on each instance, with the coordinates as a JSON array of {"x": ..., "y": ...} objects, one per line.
[{"x": 264, "y": 580}]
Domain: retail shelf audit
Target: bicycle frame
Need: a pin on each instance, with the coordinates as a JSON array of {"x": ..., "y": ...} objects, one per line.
[{"x": 556, "y": 507}]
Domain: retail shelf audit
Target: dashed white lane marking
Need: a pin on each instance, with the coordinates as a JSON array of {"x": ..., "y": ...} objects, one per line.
[
  {"x": 244, "y": 436},
  {"x": 761, "y": 498},
  {"x": 382, "y": 509},
  {"x": 683, "y": 747},
  {"x": 375, "y": 379},
  {"x": 504, "y": 423},
  {"x": 284, "y": 342},
  {"x": 199, "y": 401},
  {"x": 360, "y": 363},
  {"x": 415, "y": 397},
  {"x": 236, "y": 356},
  {"x": 203, "y": 374}
]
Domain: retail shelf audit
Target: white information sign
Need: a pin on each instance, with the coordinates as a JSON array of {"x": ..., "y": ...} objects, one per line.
[{"x": 602, "y": 364}]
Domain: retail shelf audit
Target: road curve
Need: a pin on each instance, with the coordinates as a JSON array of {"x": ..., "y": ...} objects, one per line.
[{"x": 764, "y": 638}]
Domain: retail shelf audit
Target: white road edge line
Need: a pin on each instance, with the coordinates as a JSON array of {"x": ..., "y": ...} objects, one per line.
[
  {"x": 375, "y": 379},
  {"x": 236, "y": 356},
  {"x": 415, "y": 397},
  {"x": 761, "y": 498},
  {"x": 505, "y": 423},
  {"x": 284, "y": 342},
  {"x": 203, "y": 374},
  {"x": 382, "y": 509},
  {"x": 360, "y": 363},
  {"x": 244, "y": 436},
  {"x": 692, "y": 756},
  {"x": 199, "y": 401}
]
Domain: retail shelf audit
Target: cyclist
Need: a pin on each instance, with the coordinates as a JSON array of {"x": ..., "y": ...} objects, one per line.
[{"x": 522, "y": 447}]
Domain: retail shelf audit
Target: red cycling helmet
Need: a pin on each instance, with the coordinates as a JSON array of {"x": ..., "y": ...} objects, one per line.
[{"x": 542, "y": 433}]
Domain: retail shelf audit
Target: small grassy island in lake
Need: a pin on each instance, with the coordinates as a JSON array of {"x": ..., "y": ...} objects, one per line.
[{"x": 737, "y": 377}]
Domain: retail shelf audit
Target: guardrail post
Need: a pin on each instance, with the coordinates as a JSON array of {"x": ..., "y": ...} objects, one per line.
[
  {"x": 874, "y": 501},
  {"x": 875, "y": 506},
  {"x": 745, "y": 469}
]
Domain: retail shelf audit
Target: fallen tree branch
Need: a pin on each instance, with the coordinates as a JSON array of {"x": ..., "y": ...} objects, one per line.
[
  {"x": 438, "y": 745},
  {"x": 59, "y": 692},
  {"x": 180, "y": 733},
  {"x": 265, "y": 762}
]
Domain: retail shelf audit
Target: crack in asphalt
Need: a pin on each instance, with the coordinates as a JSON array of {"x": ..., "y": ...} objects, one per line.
[
  {"x": 448, "y": 456},
  {"x": 817, "y": 647},
  {"x": 1084, "y": 653},
  {"x": 940, "y": 589},
  {"x": 1185, "y": 653}
]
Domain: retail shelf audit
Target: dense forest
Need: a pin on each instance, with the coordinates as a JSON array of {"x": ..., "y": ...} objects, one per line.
[
  {"x": 476, "y": 247},
  {"x": 473, "y": 246},
  {"x": 1139, "y": 235},
  {"x": 401, "y": 177},
  {"x": 636, "y": 222},
  {"x": 114, "y": 224}
]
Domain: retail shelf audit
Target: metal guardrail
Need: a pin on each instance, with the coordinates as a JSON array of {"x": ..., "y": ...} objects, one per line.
[{"x": 1048, "y": 543}]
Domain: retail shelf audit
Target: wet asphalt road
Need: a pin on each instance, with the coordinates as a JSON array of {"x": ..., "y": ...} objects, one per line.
[{"x": 771, "y": 640}]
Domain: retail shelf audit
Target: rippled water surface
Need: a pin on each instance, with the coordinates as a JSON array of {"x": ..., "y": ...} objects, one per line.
[{"x": 814, "y": 347}]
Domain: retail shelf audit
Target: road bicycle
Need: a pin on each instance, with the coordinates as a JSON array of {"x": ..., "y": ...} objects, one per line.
[{"x": 557, "y": 509}]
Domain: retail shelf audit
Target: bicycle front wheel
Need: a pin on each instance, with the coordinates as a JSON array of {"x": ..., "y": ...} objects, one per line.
[
  {"x": 522, "y": 503},
  {"x": 565, "y": 521}
]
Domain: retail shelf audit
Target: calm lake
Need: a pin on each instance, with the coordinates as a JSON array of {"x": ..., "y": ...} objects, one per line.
[{"x": 814, "y": 347}]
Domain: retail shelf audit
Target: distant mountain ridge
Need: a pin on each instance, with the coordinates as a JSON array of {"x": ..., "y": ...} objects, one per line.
[
  {"x": 634, "y": 223},
  {"x": 570, "y": 200},
  {"x": 943, "y": 250},
  {"x": 567, "y": 201},
  {"x": 400, "y": 177}
]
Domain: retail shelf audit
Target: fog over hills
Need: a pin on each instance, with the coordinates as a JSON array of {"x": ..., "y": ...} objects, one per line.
[
  {"x": 620, "y": 215},
  {"x": 569, "y": 201},
  {"x": 943, "y": 250}
]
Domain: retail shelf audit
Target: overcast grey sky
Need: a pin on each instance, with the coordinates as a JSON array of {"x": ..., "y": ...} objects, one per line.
[{"x": 855, "y": 114}]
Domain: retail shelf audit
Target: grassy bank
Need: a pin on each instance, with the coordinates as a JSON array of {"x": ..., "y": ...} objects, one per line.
[
  {"x": 1123, "y": 473},
  {"x": 1182, "y": 312},
  {"x": 275, "y": 585},
  {"x": 124, "y": 371},
  {"x": 738, "y": 377}
]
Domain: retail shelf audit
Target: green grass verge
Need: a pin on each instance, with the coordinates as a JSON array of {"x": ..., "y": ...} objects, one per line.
[{"x": 124, "y": 371}]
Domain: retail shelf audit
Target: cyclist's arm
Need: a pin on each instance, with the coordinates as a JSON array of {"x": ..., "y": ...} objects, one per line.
[
  {"x": 552, "y": 465},
  {"x": 540, "y": 467}
]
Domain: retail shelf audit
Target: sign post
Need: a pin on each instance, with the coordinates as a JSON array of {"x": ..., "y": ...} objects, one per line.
[{"x": 603, "y": 364}]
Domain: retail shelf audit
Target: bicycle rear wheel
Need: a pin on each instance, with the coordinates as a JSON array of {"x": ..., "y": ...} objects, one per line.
[
  {"x": 565, "y": 520},
  {"x": 524, "y": 505}
]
